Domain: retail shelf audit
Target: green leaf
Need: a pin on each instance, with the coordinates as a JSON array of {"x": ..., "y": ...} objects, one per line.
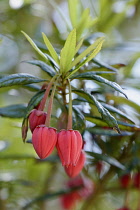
[
  {"x": 106, "y": 132},
  {"x": 51, "y": 49},
  {"x": 95, "y": 47},
  {"x": 68, "y": 52},
  {"x": 34, "y": 101},
  {"x": 128, "y": 126},
  {"x": 53, "y": 63},
  {"x": 78, "y": 119},
  {"x": 34, "y": 46},
  {"x": 79, "y": 45},
  {"x": 109, "y": 119},
  {"x": 82, "y": 25},
  {"x": 122, "y": 100},
  {"x": 92, "y": 76},
  {"x": 110, "y": 160},
  {"x": 122, "y": 125},
  {"x": 92, "y": 22},
  {"x": 19, "y": 79},
  {"x": 45, "y": 67},
  {"x": 13, "y": 111},
  {"x": 104, "y": 65},
  {"x": 117, "y": 111},
  {"x": 32, "y": 87},
  {"x": 72, "y": 5}
]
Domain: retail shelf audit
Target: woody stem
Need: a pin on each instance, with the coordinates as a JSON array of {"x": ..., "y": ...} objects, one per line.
[
  {"x": 49, "y": 111},
  {"x": 43, "y": 101},
  {"x": 69, "y": 126}
]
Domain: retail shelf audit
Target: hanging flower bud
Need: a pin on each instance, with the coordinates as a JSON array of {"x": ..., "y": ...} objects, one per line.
[
  {"x": 44, "y": 140},
  {"x": 69, "y": 146},
  {"x": 69, "y": 201},
  {"x": 73, "y": 171},
  {"x": 36, "y": 118},
  {"x": 136, "y": 180},
  {"x": 125, "y": 180},
  {"x": 124, "y": 208},
  {"x": 80, "y": 189}
]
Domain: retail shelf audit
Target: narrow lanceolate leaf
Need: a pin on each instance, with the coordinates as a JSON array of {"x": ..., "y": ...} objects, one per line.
[
  {"x": 51, "y": 49},
  {"x": 68, "y": 51},
  {"x": 45, "y": 67},
  {"x": 104, "y": 65},
  {"x": 35, "y": 46},
  {"x": 83, "y": 23},
  {"x": 107, "y": 117},
  {"x": 13, "y": 111},
  {"x": 34, "y": 101},
  {"x": 122, "y": 125},
  {"x": 122, "y": 100},
  {"x": 79, "y": 45},
  {"x": 73, "y": 11},
  {"x": 110, "y": 160},
  {"x": 117, "y": 111},
  {"x": 92, "y": 76},
  {"x": 78, "y": 119},
  {"x": 32, "y": 87},
  {"x": 19, "y": 79},
  {"x": 106, "y": 132},
  {"x": 95, "y": 47}
]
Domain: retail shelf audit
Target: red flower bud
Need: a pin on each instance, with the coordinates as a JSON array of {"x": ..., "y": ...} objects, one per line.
[
  {"x": 36, "y": 118},
  {"x": 125, "y": 180},
  {"x": 73, "y": 171},
  {"x": 44, "y": 140},
  {"x": 136, "y": 180},
  {"x": 84, "y": 189},
  {"x": 69, "y": 146},
  {"x": 124, "y": 208},
  {"x": 69, "y": 200},
  {"x": 99, "y": 167}
]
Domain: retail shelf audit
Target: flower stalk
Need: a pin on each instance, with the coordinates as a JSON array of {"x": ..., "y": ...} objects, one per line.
[
  {"x": 69, "y": 126},
  {"x": 43, "y": 102},
  {"x": 49, "y": 111}
]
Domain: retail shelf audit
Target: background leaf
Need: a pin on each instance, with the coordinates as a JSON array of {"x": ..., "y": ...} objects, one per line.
[
  {"x": 110, "y": 160},
  {"x": 19, "y": 79},
  {"x": 13, "y": 111}
]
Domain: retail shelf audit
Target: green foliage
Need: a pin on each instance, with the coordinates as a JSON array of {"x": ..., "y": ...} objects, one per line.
[
  {"x": 92, "y": 76},
  {"x": 94, "y": 46},
  {"x": 68, "y": 52},
  {"x": 13, "y": 111},
  {"x": 19, "y": 79}
]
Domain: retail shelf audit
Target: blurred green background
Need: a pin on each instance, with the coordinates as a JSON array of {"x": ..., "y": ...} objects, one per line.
[{"x": 22, "y": 176}]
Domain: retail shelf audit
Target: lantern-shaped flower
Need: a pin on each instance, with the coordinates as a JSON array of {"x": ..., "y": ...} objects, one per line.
[
  {"x": 44, "y": 140},
  {"x": 36, "y": 118},
  {"x": 73, "y": 171},
  {"x": 69, "y": 145}
]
